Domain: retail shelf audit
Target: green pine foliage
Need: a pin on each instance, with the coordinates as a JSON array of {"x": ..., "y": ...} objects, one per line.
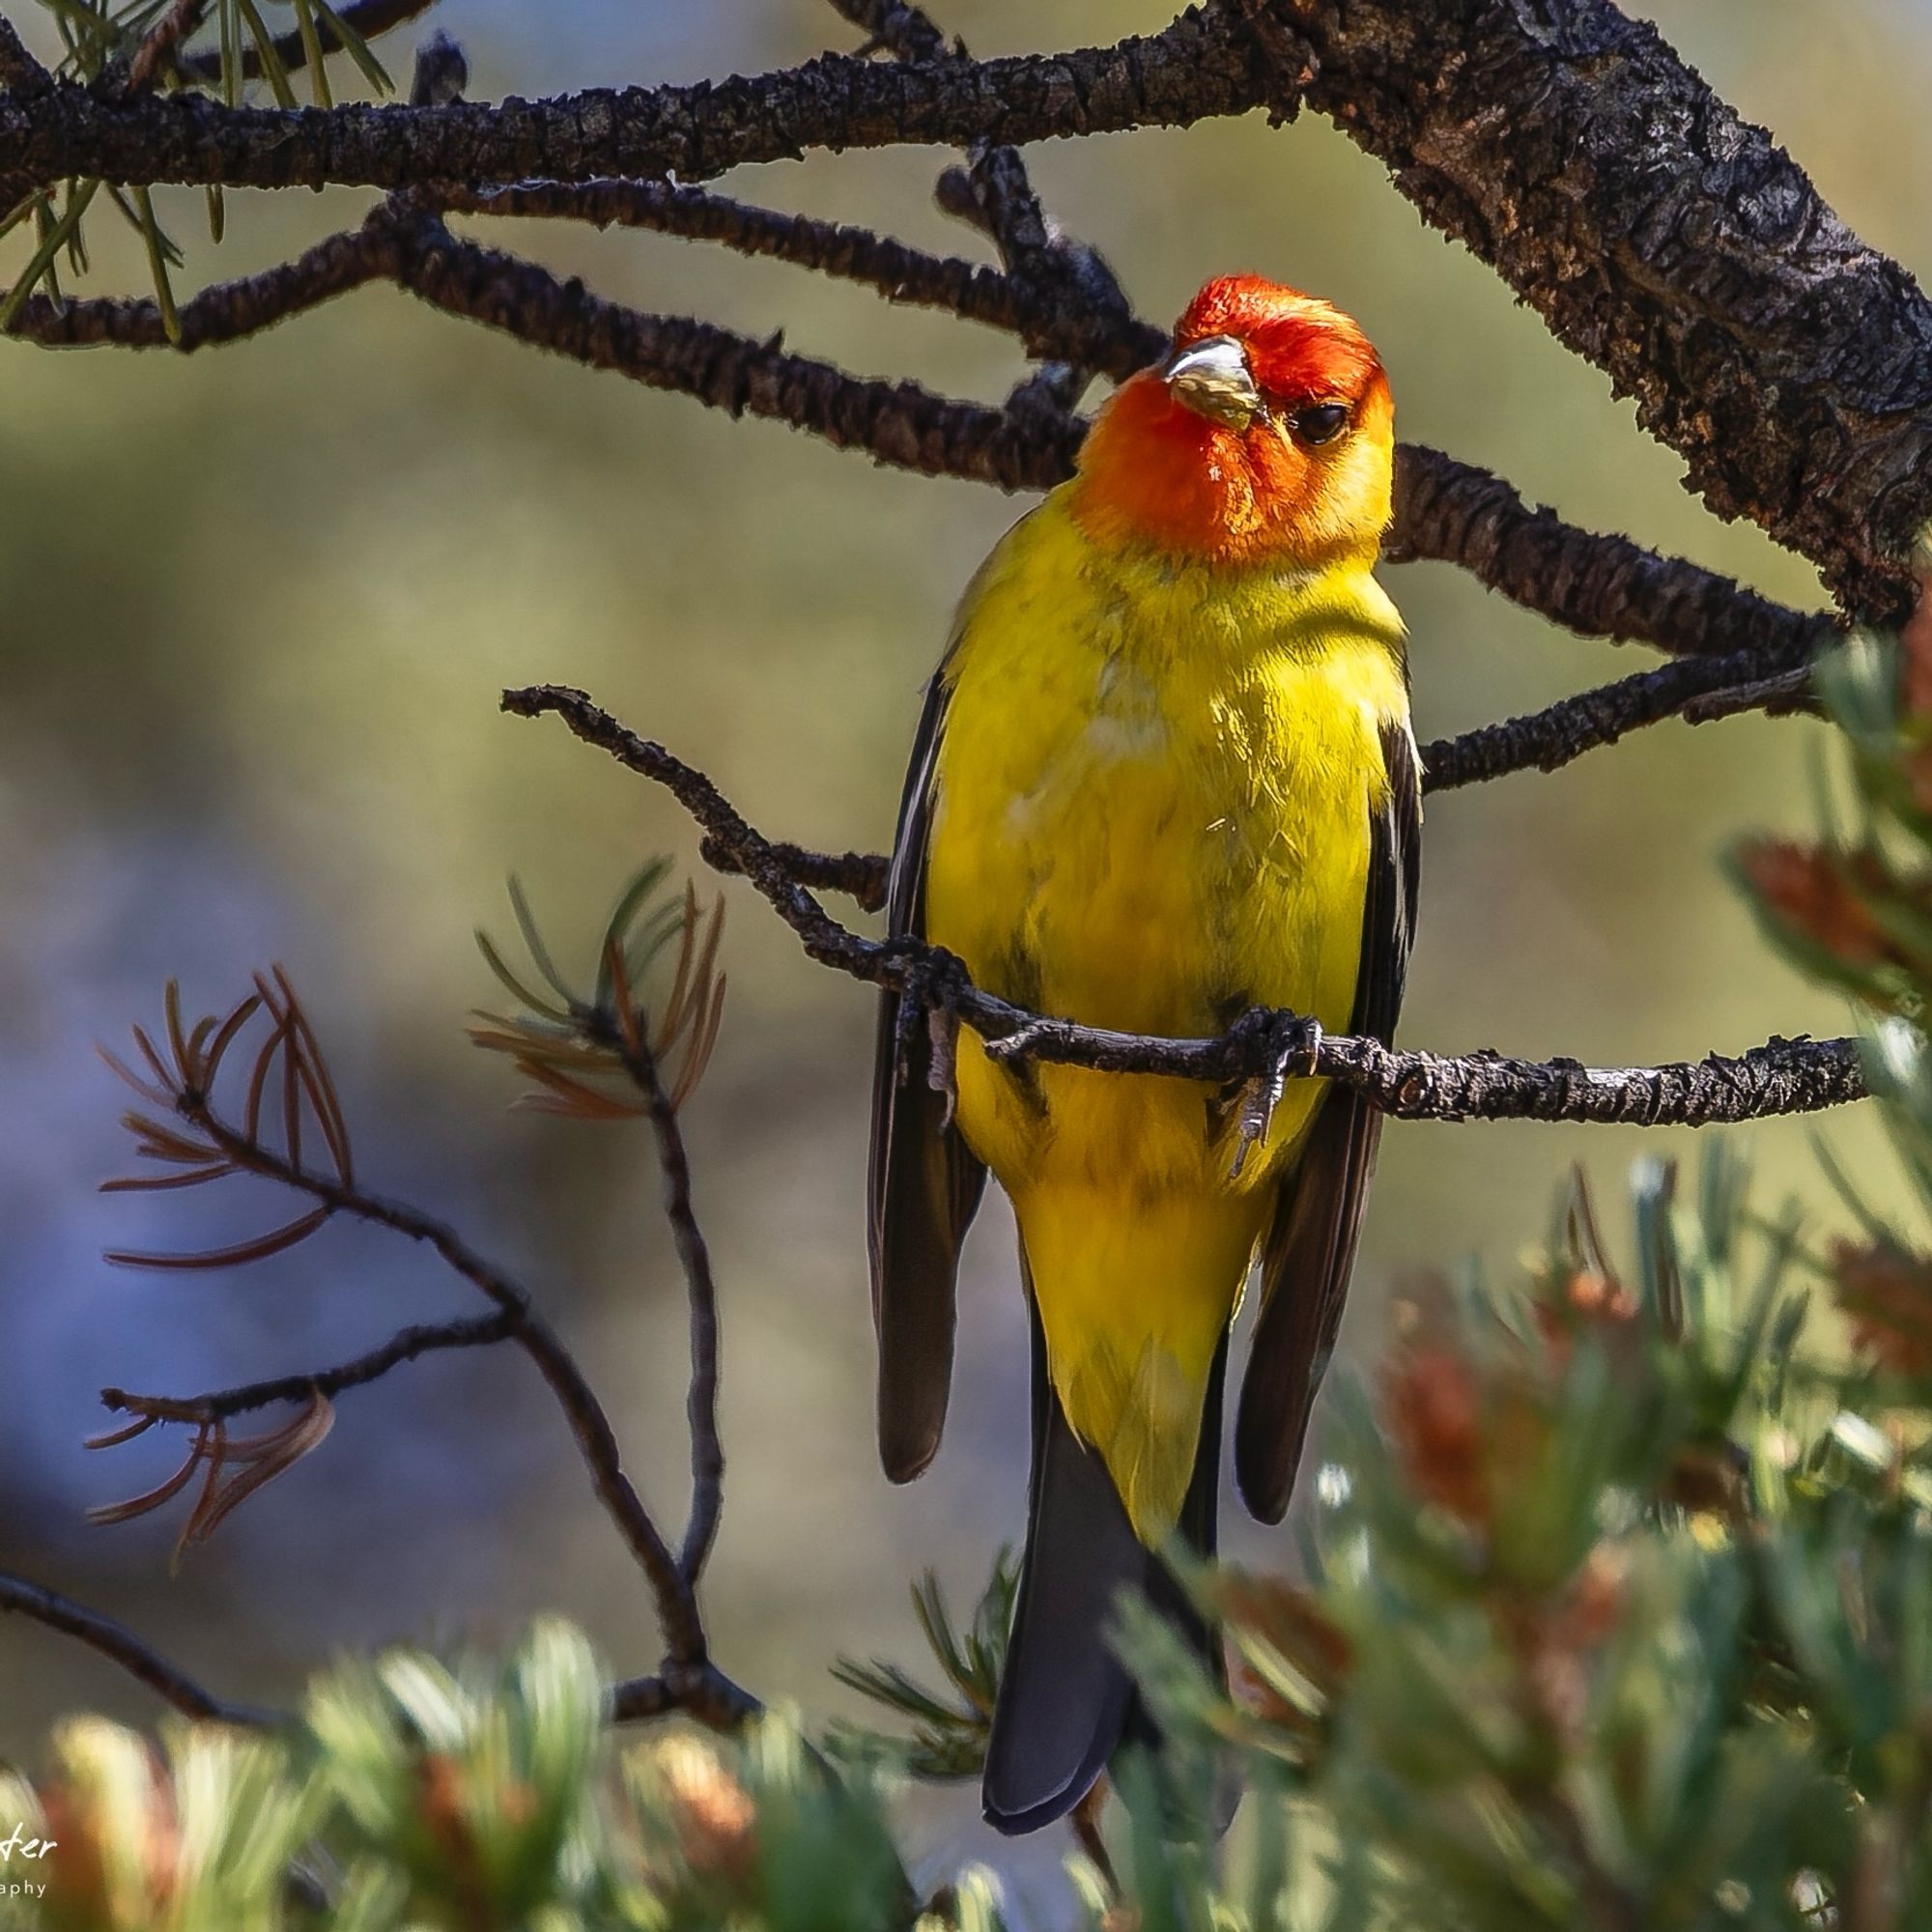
[{"x": 1613, "y": 1609}]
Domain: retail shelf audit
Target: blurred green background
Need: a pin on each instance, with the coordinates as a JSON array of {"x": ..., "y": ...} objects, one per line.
[{"x": 256, "y": 610}]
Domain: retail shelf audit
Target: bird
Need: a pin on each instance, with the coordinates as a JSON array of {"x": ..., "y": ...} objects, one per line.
[{"x": 1164, "y": 775}]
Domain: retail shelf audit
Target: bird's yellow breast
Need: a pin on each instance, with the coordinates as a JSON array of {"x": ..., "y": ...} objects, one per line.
[{"x": 1151, "y": 811}]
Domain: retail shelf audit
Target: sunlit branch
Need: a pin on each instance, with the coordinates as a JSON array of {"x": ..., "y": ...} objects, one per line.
[{"x": 1780, "y": 1077}]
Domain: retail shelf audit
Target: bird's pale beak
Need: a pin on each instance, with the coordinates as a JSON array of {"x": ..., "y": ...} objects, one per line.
[{"x": 1212, "y": 378}]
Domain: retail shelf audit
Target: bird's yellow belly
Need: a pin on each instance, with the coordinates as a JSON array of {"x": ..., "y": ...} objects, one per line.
[
  {"x": 1151, "y": 811},
  {"x": 1155, "y": 864},
  {"x": 1137, "y": 870}
]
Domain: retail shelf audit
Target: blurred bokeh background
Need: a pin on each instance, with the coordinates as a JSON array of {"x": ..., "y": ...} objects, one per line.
[{"x": 256, "y": 608}]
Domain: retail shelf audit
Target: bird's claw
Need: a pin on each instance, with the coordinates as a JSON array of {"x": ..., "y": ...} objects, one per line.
[
  {"x": 933, "y": 982},
  {"x": 1292, "y": 1048}
]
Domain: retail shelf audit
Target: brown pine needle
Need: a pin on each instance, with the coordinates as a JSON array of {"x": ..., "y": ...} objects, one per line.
[
  {"x": 237, "y": 1256},
  {"x": 112, "y": 1438},
  {"x": 171, "y": 1002},
  {"x": 155, "y": 1183},
  {"x": 169, "y": 1084},
  {"x": 109, "y": 1514},
  {"x": 258, "y": 1079},
  {"x": 317, "y": 1078},
  {"x": 218, "y": 1047},
  {"x": 122, "y": 1072},
  {"x": 162, "y": 1142},
  {"x": 673, "y": 1004}
]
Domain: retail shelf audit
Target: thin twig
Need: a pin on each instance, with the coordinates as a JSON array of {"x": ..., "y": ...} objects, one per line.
[
  {"x": 1780, "y": 1077},
  {"x": 699, "y": 1690},
  {"x": 134, "y": 1654},
  {"x": 405, "y": 1346},
  {"x": 596, "y": 1439},
  {"x": 707, "y": 1455}
]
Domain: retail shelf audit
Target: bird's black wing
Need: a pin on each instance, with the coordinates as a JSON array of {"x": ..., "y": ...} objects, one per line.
[
  {"x": 1311, "y": 1243},
  {"x": 924, "y": 1184}
]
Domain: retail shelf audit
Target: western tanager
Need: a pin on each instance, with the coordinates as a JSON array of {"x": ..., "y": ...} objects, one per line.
[{"x": 1165, "y": 774}]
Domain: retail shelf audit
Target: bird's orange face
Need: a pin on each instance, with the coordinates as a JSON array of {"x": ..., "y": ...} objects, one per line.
[{"x": 1267, "y": 436}]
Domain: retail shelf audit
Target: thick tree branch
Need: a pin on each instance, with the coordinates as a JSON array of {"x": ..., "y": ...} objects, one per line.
[
  {"x": 1779, "y": 1077},
  {"x": 1658, "y": 235},
  {"x": 134, "y": 1654},
  {"x": 1197, "y": 66},
  {"x": 1669, "y": 243},
  {"x": 1596, "y": 585}
]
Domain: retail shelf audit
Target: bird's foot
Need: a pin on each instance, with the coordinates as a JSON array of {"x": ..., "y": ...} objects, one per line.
[
  {"x": 1290, "y": 1044},
  {"x": 935, "y": 982}
]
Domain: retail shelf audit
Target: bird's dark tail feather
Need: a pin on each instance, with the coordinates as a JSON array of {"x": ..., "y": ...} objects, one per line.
[{"x": 1066, "y": 1700}]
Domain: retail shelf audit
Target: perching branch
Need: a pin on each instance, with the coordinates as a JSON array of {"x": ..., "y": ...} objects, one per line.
[
  {"x": 134, "y": 1654},
  {"x": 1780, "y": 1077}
]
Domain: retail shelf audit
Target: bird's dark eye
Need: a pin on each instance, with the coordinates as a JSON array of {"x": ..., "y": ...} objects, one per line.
[{"x": 1322, "y": 423}]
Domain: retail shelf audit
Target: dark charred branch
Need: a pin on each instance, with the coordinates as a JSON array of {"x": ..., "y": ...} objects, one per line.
[
  {"x": 900, "y": 423},
  {"x": 1666, "y": 240},
  {"x": 1780, "y": 1077},
  {"x": 1701, "y": 688},
  {"x": 1046, "y": 319},
  {"x": 1196, "y": 67},
  {"x": 20, "y": 74},
  {"x": 226, "y": 312},
  {"x": 1596, "y": 585}
]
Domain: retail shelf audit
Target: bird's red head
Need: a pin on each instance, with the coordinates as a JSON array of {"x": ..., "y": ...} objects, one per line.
[{"x": 1267, "y": 436}]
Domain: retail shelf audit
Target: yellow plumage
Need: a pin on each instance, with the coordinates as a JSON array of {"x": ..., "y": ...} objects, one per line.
[{"x": 1151, "y": 811}]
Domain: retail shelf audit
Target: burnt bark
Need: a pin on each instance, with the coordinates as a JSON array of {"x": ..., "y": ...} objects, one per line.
[{"x": 1670, "y": 242}]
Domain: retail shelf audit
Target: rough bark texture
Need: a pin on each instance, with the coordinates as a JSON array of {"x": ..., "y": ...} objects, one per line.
[
  {"x": 1659, "y": 234},
  {"x": 1596, "y": 585},
  {"x": 1668, "y": 241},
  {"x": 1196, "y": 67}
]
